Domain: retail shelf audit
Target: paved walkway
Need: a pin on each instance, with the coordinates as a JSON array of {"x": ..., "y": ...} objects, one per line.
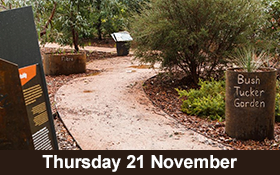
[{"x": 110, "y": 111}]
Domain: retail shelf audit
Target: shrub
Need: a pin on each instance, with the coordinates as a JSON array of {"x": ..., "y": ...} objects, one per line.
[
  {"x": 271, "y": 29},
  {"x": 209, "y": 100},
  {"x": 195, "y": 35}
]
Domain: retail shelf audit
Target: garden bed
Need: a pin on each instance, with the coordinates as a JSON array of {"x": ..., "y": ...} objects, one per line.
[{"x": 161, "y": 91}]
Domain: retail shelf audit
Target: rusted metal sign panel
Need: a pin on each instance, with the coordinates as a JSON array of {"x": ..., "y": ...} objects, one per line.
[{"x": 15, "y": 133}]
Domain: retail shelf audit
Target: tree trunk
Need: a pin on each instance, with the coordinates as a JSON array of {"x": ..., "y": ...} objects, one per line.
[
  {"x": 194, "y": 73},
  {"x": 99, "y": 22},
  {"x": 49, "y": 20},
  {"x": 75, "y": 36},
  {"x": 99, "y": 31}
]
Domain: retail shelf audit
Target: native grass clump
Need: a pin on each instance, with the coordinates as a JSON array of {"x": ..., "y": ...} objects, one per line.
[
  {"x": 195, "y": 36},
  {"x": 249, "y": 60}
]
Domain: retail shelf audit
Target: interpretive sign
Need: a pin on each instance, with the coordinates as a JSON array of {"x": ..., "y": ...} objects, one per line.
[
  {"x": 19, "y": 44},
  {"x": 250, "y": 104},
  {"x": 15, "y": 133},
  {"x": 122, "y": 42},
  {"x": 121, "y": 36},
  {"x": 36, "y": 108},
  {"x": 18, "y": 37}
]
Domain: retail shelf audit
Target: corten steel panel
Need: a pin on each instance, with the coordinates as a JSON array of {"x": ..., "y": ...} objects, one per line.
[
  {"x": 250, "y": 104},
  {"x": 15, "y": 133},
  {"x": 19, "y": 44}
]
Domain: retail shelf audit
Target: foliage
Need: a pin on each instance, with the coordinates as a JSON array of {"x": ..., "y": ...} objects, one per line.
[
  {"x": 195, "y": 35},
  {"x": 71, "y": 22},
  {"x": 247, "y": 59},
  {"x": 67, "y": 22},
  {"x": 109, "y": 16},
  {"x": 271, "y": 30},
  {"x": 59, "y": 21},
  {"x": 8, "y": 4},
  {"x": 209, "y": 100}
]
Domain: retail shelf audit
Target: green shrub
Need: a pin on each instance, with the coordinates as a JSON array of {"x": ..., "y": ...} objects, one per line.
[
  {"x": 277, "y": 102},
  {"x": 195, "y": 35},
  {"x": 209, "y": 100}
]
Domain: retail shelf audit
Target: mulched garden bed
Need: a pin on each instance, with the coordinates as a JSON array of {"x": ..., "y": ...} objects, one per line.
[{"x": 161, "y": 91}]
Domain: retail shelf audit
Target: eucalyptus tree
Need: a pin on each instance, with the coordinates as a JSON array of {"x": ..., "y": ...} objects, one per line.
[{"x": 67, "y": 21}]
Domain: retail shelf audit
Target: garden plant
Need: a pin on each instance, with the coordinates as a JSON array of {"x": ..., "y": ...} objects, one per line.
[{"x": 196, "y": 36}]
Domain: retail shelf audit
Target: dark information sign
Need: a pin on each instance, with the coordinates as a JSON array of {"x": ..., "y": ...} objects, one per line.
[
  {"x": 36, "y": 108},
  {"x": 19, "y": 44},
  {"x": 15, "y": 131},
  {"x": 18, "y": 37}
]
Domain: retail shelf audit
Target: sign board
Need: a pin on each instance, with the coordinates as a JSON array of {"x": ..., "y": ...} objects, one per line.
[
  {"x": 121, "y": 36},
  {"x": 15, "y": 133},
  {"x": 18, "y": 37},
  {"x": 36, "y": 108},
  {"x": 250, "y": 104},
  {"x": 19, "y": 45}
]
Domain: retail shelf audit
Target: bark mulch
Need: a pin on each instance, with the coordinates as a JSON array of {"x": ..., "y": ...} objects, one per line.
[{"x": 161, "y": 91}]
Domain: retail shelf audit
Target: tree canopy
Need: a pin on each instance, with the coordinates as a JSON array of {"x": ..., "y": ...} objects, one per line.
[{"x": 67, "y": 21}]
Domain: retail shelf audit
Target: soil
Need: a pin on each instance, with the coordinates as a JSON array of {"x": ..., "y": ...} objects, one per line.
[{"x": 105, "y": 42}]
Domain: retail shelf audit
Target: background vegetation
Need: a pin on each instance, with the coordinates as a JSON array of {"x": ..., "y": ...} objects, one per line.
[{"x": 68, "y": 22}]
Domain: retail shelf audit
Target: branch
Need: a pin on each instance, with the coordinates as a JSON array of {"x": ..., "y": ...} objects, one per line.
[
  {"x": 4, "y": 7},
  {"x": 49, "y": 20}
]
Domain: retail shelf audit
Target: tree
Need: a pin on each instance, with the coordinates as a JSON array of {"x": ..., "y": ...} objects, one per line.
[
  {"x": 195, "y": 35},
  {"x": 99, "y": 20},
  {"x": 67, "y": 21},
  {"x": 60, "y": 21},
  {"x": 110, "y": 16},
  {"x": 71, "y": 22}
]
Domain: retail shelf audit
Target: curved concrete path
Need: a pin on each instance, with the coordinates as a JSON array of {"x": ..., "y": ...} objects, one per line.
[{"x": 110, "y": 111}]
